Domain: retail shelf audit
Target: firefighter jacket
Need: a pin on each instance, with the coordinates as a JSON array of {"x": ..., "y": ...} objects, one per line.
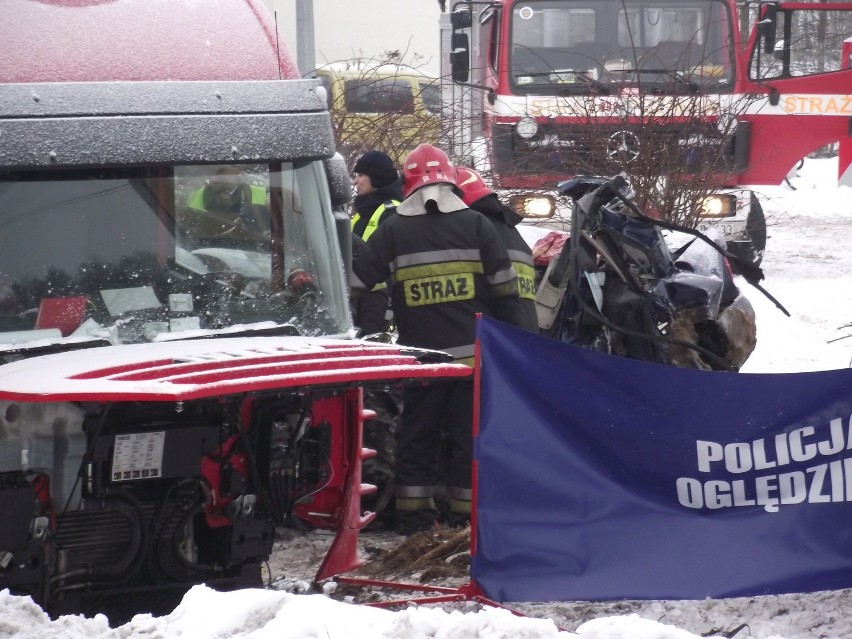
[
  {"x": 445, "y": 267},
  {"x": 371, "y": 209},
  {"x": 370, "y": 307},
  {"x": 505, "y": 220}
]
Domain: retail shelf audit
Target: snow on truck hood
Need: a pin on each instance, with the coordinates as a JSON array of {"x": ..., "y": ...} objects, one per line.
[{"x": 195, "y": 369}]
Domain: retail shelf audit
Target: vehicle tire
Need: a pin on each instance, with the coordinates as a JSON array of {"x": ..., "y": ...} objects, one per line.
[{"x": 751, "y": 250}]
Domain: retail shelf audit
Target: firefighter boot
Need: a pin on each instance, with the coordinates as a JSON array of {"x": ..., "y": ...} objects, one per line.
[
  {"x": 415, "y": 515},
  {"x": 460, "y": 507}
]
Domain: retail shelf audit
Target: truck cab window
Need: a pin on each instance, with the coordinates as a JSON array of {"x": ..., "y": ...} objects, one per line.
[
  {"x": 379, "y": 95},
  {"x": 430, "y": 94},
  {"x": 808, "y": 42},
  {"x": 588, "y": 47},
  {"x": 149, "y": 254}
]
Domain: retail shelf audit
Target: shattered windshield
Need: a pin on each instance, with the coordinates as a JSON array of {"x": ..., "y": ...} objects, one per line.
[
  {"x": 147, "y": 254},
  {"x": 587, "y": 46}
]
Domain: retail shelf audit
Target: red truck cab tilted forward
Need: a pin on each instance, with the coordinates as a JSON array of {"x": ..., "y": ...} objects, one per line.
[{"x": 177, "y": 370}]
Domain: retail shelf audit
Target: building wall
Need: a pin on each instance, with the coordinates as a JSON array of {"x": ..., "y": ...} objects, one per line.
[{"x": 346, "y": 29}]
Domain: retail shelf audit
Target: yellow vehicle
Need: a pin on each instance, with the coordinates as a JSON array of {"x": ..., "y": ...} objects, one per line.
[{"x": 385, "y": 107}]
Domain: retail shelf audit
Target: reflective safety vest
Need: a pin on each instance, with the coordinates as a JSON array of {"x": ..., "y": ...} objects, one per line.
[
  {"x": 373, "y": 222},
  {"x": 196, "y": 198}
]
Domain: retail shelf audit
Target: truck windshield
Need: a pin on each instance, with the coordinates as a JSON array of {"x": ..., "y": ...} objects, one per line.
[
  {"x": 154, "y": 253},
  {"x": 588, "y": 46}
]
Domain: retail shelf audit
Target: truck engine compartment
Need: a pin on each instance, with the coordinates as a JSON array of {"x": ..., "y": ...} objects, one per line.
[{"x": 121, "y": 507}]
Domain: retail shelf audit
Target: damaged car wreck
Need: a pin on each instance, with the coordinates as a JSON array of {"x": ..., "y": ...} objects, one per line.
[{"x": 617, "y": 287}]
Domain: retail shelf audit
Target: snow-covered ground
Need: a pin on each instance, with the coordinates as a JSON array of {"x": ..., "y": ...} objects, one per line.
[{"x": 808, "y": 267}]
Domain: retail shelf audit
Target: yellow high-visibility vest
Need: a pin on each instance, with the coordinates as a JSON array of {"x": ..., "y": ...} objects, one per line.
[{"x": 373, "y": 223}]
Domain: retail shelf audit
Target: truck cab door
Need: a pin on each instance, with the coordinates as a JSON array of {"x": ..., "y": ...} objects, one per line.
[{"x": 799, "y": 60}]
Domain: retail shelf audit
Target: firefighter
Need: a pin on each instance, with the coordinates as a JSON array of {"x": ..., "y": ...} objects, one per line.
[
  {"x": 446, "y": 264},
  {"x": 378, "y": 191},
  {"x": 480, "y": 197}
]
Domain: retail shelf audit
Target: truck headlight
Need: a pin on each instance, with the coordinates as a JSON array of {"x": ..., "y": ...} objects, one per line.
[
  {"x": 526, "y": 127},
  {"x": 719, "y": 206},
  {"x": 539, "y": 206}
]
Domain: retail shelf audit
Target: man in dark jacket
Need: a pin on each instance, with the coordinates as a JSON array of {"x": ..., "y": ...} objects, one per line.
[
  {"x": 378, "y": 191},
  {"x": 446, "y": 264},
  {"x": 480, "y": 197}
]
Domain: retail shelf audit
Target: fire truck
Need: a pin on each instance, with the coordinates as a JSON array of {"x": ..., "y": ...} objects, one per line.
[
  {"x": 542, "y": 90},
  {"x": 178, "y": 369}
]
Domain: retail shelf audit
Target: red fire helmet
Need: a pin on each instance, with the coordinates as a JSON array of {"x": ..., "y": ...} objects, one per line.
[
  {"x": 425, "y": 165},
  {"x": 471, "y": 184}
]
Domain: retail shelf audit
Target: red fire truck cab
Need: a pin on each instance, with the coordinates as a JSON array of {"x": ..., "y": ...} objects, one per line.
[{"x": 545, "y": 89}]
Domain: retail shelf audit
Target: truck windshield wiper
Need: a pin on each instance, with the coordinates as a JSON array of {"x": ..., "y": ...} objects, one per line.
[
  {"x": 23, "y": 351},
  {"x": 279, "y": 330},
  {"x": 681, "y": 79},
  {"x": 567, "y": 86},
  {"x": 678, "y": 77},
  {"x": 599, "y": 86}
]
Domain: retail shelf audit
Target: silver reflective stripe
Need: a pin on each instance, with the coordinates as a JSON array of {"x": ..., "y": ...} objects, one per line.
[
  {"x": 501, "y": 277},
  {"x": 520, "y": 256},
  {"x": 438, "y": 269},
  {"x": 415, "y": 491},
  {"x": 433, "y": 257},
  {"x": 462, "y": 494}
]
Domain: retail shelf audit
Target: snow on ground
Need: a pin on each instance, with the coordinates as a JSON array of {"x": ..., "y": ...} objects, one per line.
[{"x": 808, "y": 267}]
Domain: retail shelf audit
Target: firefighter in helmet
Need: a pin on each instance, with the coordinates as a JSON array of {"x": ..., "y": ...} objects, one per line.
[
  {"x": 446, "y": 264},
  {"x": 480, "y": 197}
]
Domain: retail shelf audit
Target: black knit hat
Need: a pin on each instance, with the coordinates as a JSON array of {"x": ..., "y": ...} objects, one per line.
[{"x": 379, "y": 167}]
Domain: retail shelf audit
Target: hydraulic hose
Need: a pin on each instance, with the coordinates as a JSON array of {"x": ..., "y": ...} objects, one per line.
[{"x": 175, "y": 541}]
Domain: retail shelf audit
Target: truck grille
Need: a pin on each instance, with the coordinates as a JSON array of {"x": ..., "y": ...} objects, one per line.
[{"x": 607, "y": 149}]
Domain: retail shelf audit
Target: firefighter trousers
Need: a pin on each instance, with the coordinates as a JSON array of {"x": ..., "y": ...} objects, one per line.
[{"x": 436, "y": 420}]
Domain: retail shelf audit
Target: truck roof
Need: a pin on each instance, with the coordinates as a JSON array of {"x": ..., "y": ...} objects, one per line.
[{"x": 132, "y": 40}]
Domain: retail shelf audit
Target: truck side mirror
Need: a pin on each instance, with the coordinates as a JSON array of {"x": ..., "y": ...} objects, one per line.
[
  {"x": 767, "y": 26},
  {"x": 461, "y": 19},
  {"x": 460, "y": 58},
  {"x": 339, "y": 183},
  {"x": 340, "y": 189}
]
